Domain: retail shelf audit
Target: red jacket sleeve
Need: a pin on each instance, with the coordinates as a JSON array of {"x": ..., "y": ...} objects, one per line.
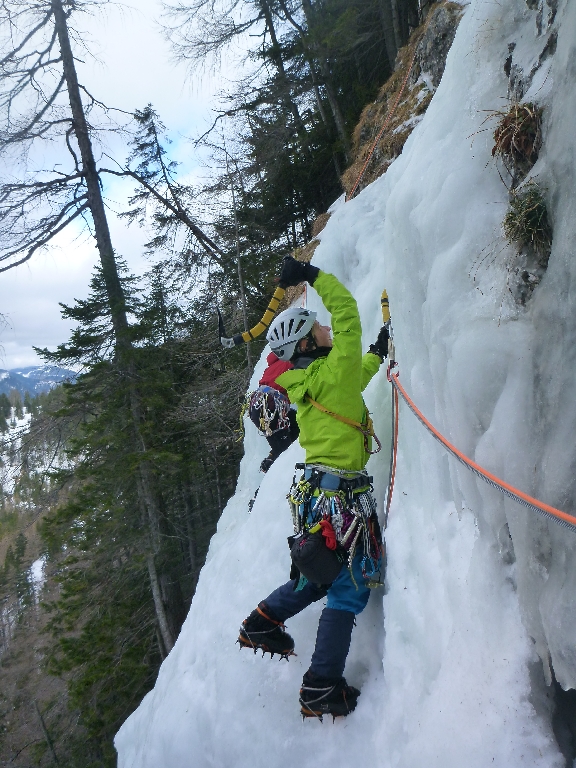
[{"x": 274, "y": 369}]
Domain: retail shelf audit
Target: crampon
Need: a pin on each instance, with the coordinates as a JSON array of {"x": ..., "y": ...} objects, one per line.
[
  {"x": 323, "y": 696},
  {"x": 261, "y": 631}
]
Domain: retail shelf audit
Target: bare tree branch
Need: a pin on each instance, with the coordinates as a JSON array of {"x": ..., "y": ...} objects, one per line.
[
  {"x": 28, "y": 37},
  {"x": 51, "y": 233},
  {"x": 207, "y": 243}
]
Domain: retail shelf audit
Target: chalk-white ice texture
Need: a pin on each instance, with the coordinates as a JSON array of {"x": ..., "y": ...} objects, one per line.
[{"x": 443, "y": 658}]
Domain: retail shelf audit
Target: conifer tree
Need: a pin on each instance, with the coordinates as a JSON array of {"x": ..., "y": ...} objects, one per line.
[
  {"x": 5, "y": 410},
  {"x": 314, "y": 65},
  {"x": 44, "y": 49},
  {"x": 111, "y": 644}
]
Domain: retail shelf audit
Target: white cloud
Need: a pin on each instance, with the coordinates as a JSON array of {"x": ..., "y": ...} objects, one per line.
[{"x": 131, "y": 67}]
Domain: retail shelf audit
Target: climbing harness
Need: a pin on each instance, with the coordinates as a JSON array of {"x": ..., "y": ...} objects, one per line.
[
  {"x": 563, "y": 518},
  {"x": 366, "y": 427},
  {"x": 341, "y": 504}
]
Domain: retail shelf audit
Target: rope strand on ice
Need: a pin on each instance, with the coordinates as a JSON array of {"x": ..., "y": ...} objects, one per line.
[{"x": 563, "y": 518}]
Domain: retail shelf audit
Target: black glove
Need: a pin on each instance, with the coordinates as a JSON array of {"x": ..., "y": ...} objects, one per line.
[
  {"x": 295, "y": 272},
  {"x": 380, "y": 348}
]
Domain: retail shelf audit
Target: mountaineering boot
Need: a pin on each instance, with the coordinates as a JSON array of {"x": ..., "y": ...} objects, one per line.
[
  {"x": 262, "y": 630},
  {"x": 326, "y": 696}
]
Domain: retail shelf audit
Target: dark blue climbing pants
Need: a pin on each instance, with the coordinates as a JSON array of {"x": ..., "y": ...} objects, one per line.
[{"x": 345, "y": 600}]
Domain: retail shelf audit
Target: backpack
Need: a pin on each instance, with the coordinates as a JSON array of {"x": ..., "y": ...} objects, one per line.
[{"x": 268, "y": 409}]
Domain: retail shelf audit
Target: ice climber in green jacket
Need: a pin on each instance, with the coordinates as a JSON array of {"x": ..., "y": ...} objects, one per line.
[{"x": 338, "y": 543}]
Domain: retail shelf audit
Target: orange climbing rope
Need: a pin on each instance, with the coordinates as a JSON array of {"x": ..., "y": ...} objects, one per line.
[
  {"x": 391, "y": 113},
  {"x": 522, "y": 498},
  {"x": 381, "y": 131}
]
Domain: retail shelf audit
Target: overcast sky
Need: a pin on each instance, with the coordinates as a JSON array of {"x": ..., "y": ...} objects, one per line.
[{"x": 133, "y": 67}]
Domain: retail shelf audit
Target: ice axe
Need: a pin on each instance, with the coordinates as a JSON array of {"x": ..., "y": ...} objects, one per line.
[
  {"x": 243, "y": 338},
  {"x": 387, "y": 320}
]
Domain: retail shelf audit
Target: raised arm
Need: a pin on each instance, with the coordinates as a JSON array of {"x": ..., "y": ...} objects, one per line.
[{"x": 345, "y": 358}]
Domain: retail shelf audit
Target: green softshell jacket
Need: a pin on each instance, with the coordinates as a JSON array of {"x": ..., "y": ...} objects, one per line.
[{"x": 336, "y": 382}]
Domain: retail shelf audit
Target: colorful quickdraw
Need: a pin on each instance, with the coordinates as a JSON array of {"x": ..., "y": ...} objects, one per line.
[{"x": 352, "y": 515}]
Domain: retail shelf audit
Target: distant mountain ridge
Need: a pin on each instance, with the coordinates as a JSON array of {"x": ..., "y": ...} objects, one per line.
[{"x": 33, "y": 379}]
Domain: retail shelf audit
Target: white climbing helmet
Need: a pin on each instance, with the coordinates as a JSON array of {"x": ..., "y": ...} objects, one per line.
[{"x": 287, "y": 329}]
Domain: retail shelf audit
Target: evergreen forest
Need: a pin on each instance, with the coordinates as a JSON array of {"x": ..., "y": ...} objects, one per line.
[{"x": 113, "y": 484}]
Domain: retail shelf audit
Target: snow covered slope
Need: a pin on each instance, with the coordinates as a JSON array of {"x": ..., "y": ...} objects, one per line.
[
  {"x": 34, "y": 379},
  {"x": 448, "y": 658}
]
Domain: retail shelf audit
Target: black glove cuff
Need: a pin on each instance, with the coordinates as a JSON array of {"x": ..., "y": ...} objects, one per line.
[
  {"x": 310, "y": 273},
  {"x": 373, "y": 349}
]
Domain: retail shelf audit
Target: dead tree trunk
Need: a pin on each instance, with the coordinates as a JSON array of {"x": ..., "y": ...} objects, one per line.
[
  {"x": 279, "y": 64},
  {"x": 385, "y": 7},
  {"x": 396, "y": 24},
  {"x": 165, "y": 632},
  {"x": 116, "y": 300},
  {"x": 95, "y": 201},
  {"x": 190, "y": 535}
]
